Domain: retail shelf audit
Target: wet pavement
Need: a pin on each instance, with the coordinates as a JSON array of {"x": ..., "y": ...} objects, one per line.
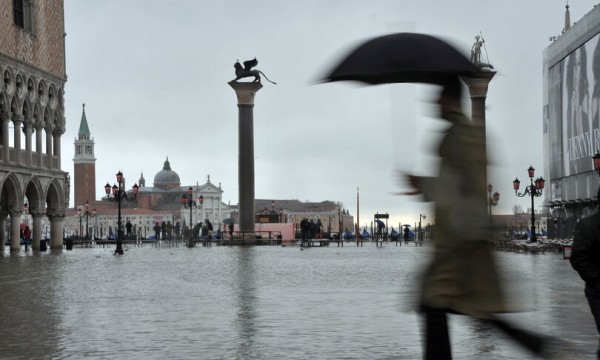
[{"x": 267, "y": 302}]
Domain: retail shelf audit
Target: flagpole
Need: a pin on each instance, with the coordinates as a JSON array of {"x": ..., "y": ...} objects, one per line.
[{"x": 357, "y": 230}]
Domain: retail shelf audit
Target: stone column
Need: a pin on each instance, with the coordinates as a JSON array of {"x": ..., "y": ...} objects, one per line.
[
  {"x": 478, "y": 87},
  {"x": 38, "y": 145},
  {"x": 28, "y": 123},
  {"x": 49, "y": 146},
  {"x": 56, "y": 231},
  {"x": 5, "y": 135},
  {"x": 2, "y": 233},
  {"x": 17, "y": 121},
  {"x": 245, "y": 92},
  {"x": 37, "y": 230},
  {"x": 56, "y": 151},
  {"x": 15, "y": 227}
]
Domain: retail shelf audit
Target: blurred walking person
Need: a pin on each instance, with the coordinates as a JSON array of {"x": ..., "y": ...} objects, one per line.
[
  {"x": 585, "y": 259},
  {"x": 461, "y": 277}
]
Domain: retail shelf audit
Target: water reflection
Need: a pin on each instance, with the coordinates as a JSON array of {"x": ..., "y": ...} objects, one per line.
[
  {"x": 246, "y": 302},
  {"x": 30, "y": 313},
  {"x": 257, "y": 302}
]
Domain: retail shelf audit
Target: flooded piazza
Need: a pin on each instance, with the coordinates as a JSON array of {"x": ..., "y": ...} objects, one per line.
[{"x": 263, "y": 302}]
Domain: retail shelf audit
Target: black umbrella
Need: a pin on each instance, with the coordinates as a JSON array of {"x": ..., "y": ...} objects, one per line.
[
  {"x": 229, "y": 221},
  {"x": 403, "y": 58}
]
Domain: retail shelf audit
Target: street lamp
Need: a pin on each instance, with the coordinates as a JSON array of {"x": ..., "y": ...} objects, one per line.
[
  {"x": 86, "y": 215},
  {"x": 534, "y": 190},
  {"x": 191, "y": 203},
  {"x": 420, "y": 236},
  {"x": 118, "y": 193},
  {"x": 492, "y": 199}
]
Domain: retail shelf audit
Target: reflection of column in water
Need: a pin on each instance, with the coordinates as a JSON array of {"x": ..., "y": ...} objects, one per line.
[{"x": 246, "y": 302}]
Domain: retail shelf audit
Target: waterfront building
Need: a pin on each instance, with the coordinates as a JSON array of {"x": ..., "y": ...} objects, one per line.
[
  {"x": 332, "y": 215},
  {"x": 32, "y": 64},
  {"x": 162, "y": 202},
  {"x": 571, "y": 117}
]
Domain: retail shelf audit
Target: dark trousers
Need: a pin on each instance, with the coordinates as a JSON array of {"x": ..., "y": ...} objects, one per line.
[
  {"x": 437, "y": 336},
  {"x": 592, "y": 293}
]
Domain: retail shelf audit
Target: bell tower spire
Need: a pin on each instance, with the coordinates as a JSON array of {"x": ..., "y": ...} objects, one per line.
[{"x": 85, "y": 164}]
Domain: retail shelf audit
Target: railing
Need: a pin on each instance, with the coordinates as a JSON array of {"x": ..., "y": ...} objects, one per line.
[{"x": 12, "y": 158}]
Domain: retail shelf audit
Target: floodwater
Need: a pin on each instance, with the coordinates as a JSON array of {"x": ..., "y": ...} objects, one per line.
[{"x": 262, "y": 302}]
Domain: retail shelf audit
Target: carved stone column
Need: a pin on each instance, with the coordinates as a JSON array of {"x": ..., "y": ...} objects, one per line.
[
  {"x": 39, "y": 129},
  {"x": 56, "y": 229},
  {"x": 15, "y": 230},
  {"x": 28, "y": 124},
  {"x": 49, "y": 146},
  {"x": 56, "y": 142},
  {"x": 5, "y": 142},
  {"x": 17, "y": 121},
  {"x": 37, "y": 229},
  {"x": 245, "y": 92},
  {"x": 478, "y": 88}
]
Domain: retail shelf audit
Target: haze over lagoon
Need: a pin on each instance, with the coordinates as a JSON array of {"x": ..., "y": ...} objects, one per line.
[{"x": 154, "y": 82}]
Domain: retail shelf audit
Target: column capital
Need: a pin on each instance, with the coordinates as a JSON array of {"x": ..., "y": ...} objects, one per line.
[
  {"x": 478, "y": 84},
  {"x": 6, "y": 116},
  {"x": 54, "y": 214},
  {"x": 18, "y": 118},
  {"x": 245, "y": 91},
  {"x": 36, "y": 213}
]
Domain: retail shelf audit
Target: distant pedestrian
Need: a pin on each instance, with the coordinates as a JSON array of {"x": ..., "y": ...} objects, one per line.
[
  {"x": 128, "y": 226},
  {"x": 585, "y": 259},
  {"x": 230, "y": 231},
  {"x": 177, "y": 230},
  {"x": 169, "y": 230},
  {"x": 304, "y": 229},
  {"x": 163, "y": 230},
  {"x": 312, "y": 228},
  {"x": 157, "y": 231},
  {"x": 26, "y": 236}
]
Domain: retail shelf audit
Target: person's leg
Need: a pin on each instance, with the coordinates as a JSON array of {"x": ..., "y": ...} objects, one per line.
[
  {"x": 593, "y": 297},
  {"x": 530, "y": 340},
  {"x": 437, "y": 337}
]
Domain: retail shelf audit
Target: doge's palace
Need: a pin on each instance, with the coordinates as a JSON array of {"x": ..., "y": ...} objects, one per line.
[{"x": 32, "y": 64}]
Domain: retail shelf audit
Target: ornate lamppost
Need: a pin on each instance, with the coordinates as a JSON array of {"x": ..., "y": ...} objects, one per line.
[
  {"x": 492, "y": 199},
  {"x": 420, "y": 235},
  {"x": 118, "y": 193},
  {"x": 86, "y": 215},
  {"x": 534, "y": 190},
  {"x": 189, "y": 204}
]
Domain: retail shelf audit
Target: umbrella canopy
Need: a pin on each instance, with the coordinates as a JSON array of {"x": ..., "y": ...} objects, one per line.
[
  {"x": 403, "y": 58},
  {"x": 229, "y": 221}
]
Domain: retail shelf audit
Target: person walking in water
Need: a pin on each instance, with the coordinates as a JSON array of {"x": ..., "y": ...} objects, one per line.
[{"x": 461, "y": 277}]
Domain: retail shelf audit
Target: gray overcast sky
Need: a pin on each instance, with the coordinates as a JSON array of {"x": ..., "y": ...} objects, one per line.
[{"x": 153, "y": 76}]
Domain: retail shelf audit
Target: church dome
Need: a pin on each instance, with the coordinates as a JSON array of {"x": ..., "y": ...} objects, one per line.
[{"x": 166, "y": 178}]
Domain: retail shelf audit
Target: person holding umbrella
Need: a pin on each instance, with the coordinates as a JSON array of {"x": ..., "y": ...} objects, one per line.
[{"x": 461, "y": 277}]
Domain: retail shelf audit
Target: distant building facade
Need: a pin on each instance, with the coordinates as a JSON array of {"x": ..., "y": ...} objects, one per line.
[
  {"x": 571, "y": 118},
  {"x": 32, "y": 64}
]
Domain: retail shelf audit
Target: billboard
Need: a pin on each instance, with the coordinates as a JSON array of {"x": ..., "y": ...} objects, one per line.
[{"x": 572, "y": 122}]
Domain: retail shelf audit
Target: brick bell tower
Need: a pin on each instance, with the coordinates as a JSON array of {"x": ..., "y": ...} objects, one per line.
[{"x": 85, "y": 165}]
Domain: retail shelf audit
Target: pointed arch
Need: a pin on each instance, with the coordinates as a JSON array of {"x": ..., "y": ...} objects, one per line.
[
  {"x": 34, "y": 192},
  {"x": 54, "y": 197},
  {"x": 11, "y": 196}
]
